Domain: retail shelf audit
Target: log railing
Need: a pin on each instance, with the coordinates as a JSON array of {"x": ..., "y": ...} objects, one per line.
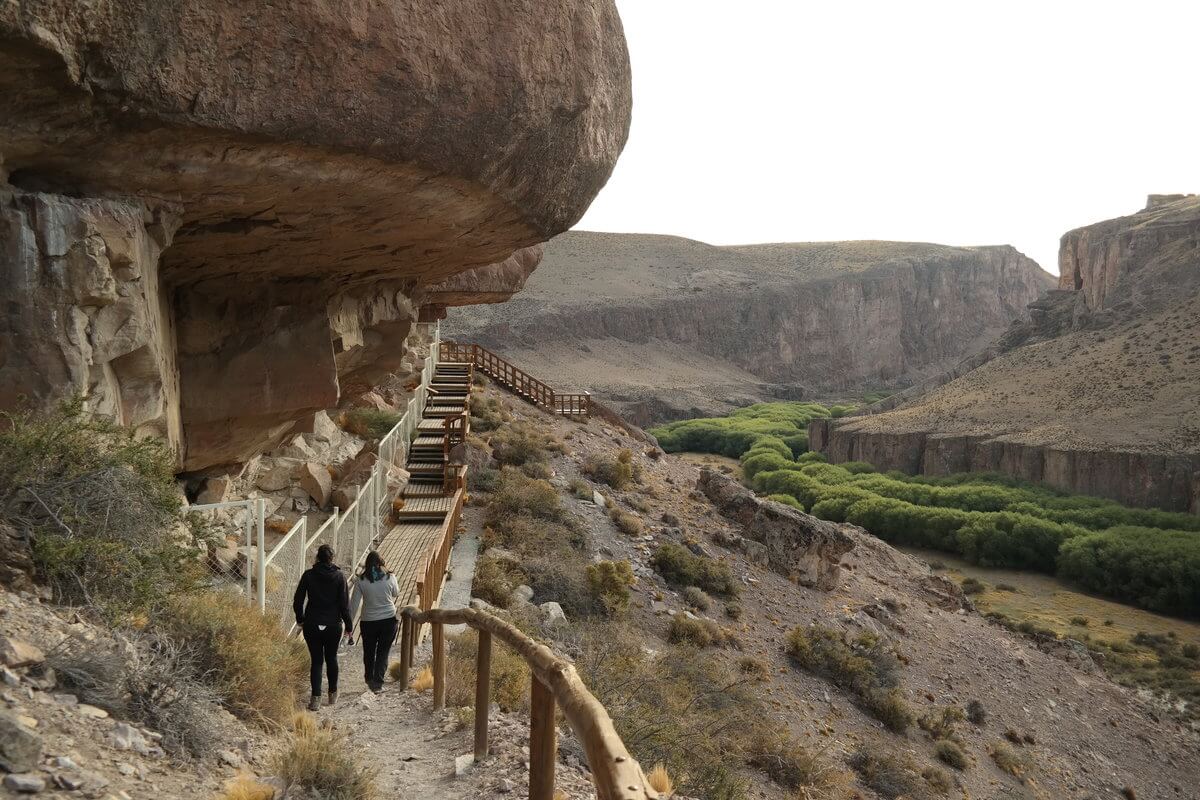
[
  {"x": 555, "y": 684},
  {"x": 432, "y": 571},
  {"x": 512, "y": 377}
]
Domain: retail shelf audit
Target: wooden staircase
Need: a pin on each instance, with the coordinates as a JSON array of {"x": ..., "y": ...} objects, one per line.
[
  {"x": 417, "y": 548},
  {"x": 517, "y": 381}
]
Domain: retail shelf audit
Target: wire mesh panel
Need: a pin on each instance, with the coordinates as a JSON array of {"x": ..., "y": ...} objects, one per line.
[
  {"x": 285, "y": 564},
  {"x": 231, "y": 555}
]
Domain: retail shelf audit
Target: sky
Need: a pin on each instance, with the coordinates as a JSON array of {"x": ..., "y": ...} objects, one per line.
[{"x": 962, "y": 123}]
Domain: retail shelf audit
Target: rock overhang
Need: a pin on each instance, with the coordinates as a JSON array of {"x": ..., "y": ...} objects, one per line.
[{"x": 345, "y": 141}]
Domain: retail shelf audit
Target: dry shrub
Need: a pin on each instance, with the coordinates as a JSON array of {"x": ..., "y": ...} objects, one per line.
[
  {"x": 950, "y": 753},
  {"x": 940, "y": 723},
  {"x": 696, "y": 597},
  {"x": 393, "y": 671},
  {"x": 320, "y": 760},
  {"x": 256, "y": 669},
  {"x": 754, "y": 668},
  {"x": 863, "y": 667},
  {"x": 627, "y": 523},
  {"x": 794, "y": 766},
  {"x": 695, "y": 632},
  {"x": 153, "y": 679},
  {"x": 369, "y": 423},
  {"x": 1009, "y": 760},
  {"x": 609, "y": 582},
  {"x": 247, "y": 787},
  {"x": 580, "y": 489},
  {"x": 510, "y": 677},
  {"x": 520, "y": 443},
  {"x": 494, "y": 581},
  {"x": 618, "y": 472},
  {"x": 893, "y": 775},
  {"x": 680, "y": 567}
]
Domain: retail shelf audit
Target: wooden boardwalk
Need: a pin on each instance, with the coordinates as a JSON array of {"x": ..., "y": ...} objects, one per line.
[{"x": 416, "y": 544}]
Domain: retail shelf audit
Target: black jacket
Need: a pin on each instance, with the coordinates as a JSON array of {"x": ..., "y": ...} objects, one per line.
[{"x": 328, "y": 597}]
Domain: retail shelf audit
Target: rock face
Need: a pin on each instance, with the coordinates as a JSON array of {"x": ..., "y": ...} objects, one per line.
[
  {"x": 216, "y": 220},
  {"x": 663, "y": 327},
  {"x": 1098, "y": 393},
  {"x": 806, "y": 549}
]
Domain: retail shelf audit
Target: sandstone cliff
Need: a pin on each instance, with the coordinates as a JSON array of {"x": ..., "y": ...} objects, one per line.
[
  {"x": 1099, "y": 392},
  {"x": 217, "y": 219},
  {"x": 664, "y": 327}
]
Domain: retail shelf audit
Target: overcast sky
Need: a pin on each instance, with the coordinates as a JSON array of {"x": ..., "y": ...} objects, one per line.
[{"x": 954, "y": 122}]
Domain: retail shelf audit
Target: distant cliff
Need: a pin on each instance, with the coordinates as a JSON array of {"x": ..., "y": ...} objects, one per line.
[
  {"x": 1098, "y": 392},
  {"x": 664, "y": 327}
]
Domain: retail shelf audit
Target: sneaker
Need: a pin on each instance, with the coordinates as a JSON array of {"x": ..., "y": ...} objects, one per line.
[
  {"x": 332, "y": 698},
  {"x": 315, "y": 703},
  {"x": 377, "y": 688}
]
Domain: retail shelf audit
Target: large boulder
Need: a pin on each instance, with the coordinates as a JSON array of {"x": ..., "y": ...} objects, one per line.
[
  {"x": 219, "y": 219},
  {"x": 806, "y": 549}
]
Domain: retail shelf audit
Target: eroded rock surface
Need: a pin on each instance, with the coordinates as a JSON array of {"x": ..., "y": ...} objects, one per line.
[
  {"x": 220, "y": 219},
  {"x": 1097, "y": 393},
  {"x": 806, "y": 549},
  {"x": 662, "y": 327}
]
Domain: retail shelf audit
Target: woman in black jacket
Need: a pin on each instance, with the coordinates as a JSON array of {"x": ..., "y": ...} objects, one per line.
[{"x": 322, "y": 619}]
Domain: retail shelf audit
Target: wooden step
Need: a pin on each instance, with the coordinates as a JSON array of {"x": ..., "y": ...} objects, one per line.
[
  {"x": 443, "y": 411},
  {"x": 425, "y": 508},
  {"x": 432, "y": 424},
  {"x": 423, "y": 490}
]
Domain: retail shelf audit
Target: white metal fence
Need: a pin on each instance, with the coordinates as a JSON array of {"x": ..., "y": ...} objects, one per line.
[{"x": 271, "y": 581}]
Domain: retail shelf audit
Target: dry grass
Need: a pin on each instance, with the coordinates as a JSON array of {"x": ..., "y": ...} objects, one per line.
[
  {"x": 1009, "y": 760},
  {"x": 320, "y": 760},
  {"x": 660, "y": 781},
  {"x": 257, "y": 671},
  {"x": 393, "y": 671},
  {"x": 423, "y": 682},
  {"x": 247, "y": 787},
  {"x": 510, "y": 678},
  {"x": 627, "y": 523}
]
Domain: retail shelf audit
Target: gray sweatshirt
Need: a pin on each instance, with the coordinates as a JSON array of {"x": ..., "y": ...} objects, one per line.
[{"x": 379, "y": 598}]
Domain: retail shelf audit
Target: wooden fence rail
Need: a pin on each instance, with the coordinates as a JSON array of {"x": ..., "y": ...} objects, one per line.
[
  {"x": 517, "y": 380},
  {"x": 556, "y": 684}
]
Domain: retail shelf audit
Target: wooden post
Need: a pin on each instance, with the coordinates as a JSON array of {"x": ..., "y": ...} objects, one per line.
[
  {"x": 543, "y": 744},
  {"x": 406, "y": 628},
  {"x": 483, "y": 688},
  {"x": 439, "y": 667}
]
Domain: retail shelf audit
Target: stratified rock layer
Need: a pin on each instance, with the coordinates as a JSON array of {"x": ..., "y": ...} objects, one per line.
[
  {"x": 663, "y": 327},
  {"x": 220, "y": 217},
  {"x": 1098, "y": 393}
]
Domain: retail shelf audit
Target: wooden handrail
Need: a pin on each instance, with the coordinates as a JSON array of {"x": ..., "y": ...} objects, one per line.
[
  {"x": 511, "y": 376},
  {"x": 615, "y": 773}
]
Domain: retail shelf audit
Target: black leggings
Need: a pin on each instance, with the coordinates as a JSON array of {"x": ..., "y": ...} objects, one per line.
[
  {"x": 323, "y": 647},
  {"x": 377, "y": 638}
]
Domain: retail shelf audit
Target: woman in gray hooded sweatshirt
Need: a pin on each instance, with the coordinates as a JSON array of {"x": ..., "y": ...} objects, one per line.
[{"x": 379, "y": 591}]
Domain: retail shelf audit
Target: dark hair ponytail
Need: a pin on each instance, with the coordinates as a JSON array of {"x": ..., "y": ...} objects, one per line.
[
  {"x": 374, "y": 568},
  {"x": 324, "y": 554}
]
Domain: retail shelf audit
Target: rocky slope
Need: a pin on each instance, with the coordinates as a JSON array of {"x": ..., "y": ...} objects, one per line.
[
  {"x": 216, "y": 222},
  {"x": 1087, "y": 736},
  {"x": 1097, "y": 394},
  {"x": 664, "y": 327}
]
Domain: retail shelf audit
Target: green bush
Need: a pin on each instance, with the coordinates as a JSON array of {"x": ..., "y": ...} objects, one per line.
[
  {"x": 101, "y": 509},
  {"x": 787, "y": 500},
  {"x": 1158, "y": 570},
  {"x": 1150, "y": 558},
  {"x": 736, "y": 434},
  {"x": 680, "y": 567}
]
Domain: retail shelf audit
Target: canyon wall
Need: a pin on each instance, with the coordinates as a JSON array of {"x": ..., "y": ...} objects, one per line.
[
  {"x": 1098, "y": 392},
  {"x": 217, "y": 219},
  {"x": 665, "y": 327}
]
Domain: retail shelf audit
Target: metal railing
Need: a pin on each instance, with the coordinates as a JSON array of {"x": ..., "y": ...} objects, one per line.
[{"x": 352, "y": 532}]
